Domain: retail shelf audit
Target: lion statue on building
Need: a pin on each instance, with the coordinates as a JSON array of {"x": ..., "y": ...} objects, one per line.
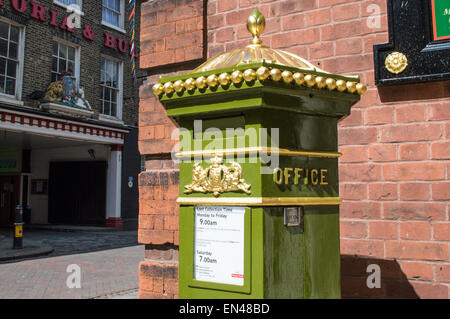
[{"x": 54, "y": 92}]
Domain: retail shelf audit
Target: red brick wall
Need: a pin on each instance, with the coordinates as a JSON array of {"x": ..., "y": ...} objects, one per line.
[
  {"x": 395, "y": 170},
  {"x": 172, "y": 32}
]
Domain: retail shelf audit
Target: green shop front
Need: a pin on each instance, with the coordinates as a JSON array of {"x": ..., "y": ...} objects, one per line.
[{"x": 259, "y": 190}]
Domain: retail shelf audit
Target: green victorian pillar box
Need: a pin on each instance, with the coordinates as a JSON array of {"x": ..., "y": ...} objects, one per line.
[{"x": 259, "y": 190}]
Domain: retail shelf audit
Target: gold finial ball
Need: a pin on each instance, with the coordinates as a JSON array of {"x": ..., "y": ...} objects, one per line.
[
  {"x": 256, "y": 23},
  {"x": 262, "y": 73},
  {"x": 237, "y": 77},
  {"x": 189, "y": 84},
  {"x": 275, "y": 74},
  {"x": 158, "y": 89},
  {"x": 178, "y": 86},
  {"x": 341, "y": 85},
  {"x": 212, "y": 80},
  {"x": 351, "y": 87},
  {"x": 331, "y": 84},
  {"x": 361, "y": 88},
  {"x": 310, "y": 80},
  {"x": 321, "y": 82},
  {"x": 168, "y": 87},
  {"x": 287, "y": 76},
  {"x": 224, "y": 79},
  {"x": 249, "y": 75},
  {"x": 201, "y": 82},
  {"x": 299, "y": 78}
]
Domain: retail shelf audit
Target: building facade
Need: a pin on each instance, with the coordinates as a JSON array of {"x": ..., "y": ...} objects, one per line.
[
  {"x": 68, "y": 112},
  {"x": 394, "y": 172}
]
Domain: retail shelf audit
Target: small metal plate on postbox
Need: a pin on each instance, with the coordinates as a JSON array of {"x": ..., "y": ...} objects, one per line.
[{"x": 292, "y": 216}]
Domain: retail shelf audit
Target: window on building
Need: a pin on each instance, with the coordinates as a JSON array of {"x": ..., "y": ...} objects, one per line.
[
  {"x": 10, "y": 58},
  {"x": 113, "y": 12},
  {"x": 68, "y": 2},
  {"x": 64, "y": 59},
  {"x": 111, "y": 88}
]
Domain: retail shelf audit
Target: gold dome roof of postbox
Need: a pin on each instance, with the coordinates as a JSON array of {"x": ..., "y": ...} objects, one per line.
[{"x": 256, "y": 52}]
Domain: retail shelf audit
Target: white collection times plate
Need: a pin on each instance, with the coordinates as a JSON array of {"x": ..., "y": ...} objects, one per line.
[{"x": 219, "y": 244}]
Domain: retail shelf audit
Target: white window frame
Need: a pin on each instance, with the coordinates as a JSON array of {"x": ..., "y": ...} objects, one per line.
[
  {"x": 121, "y": 27},
  {"x": 119, "y": 111},
  {"x": 65, "y": 6},
  {"x": 16, "y": 99},
  {"x": 76, "y": 71}
]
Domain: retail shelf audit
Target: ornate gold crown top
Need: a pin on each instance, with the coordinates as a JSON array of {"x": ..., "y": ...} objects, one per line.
[
  {"x": 216, "y": 160},
  {"x": 255, "y": 51}
]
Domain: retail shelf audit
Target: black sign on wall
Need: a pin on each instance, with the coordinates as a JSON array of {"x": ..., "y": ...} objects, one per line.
[{"x": 419, "y": 43}]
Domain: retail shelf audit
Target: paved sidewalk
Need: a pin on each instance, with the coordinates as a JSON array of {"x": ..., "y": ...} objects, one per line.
[
  {"x": 104, "y": 274},
  {"x": 31, "y": 248}
]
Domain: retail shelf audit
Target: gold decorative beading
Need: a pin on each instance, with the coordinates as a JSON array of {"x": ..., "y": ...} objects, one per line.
[
  {"x": 331, "y": 84},
  {"x": 168, "y": 87},
  {"x": 201, "y": 82},
  {"x": 212, "y": 80},
  {"x": 310, "y": 80},
  {"x": 321, "y": 82},
  {"x": 262, "y": 74},
  {"x": 341, "y": 85},
  {"x": 224, "y": 79},
  {"x": 237, "y": 77},
  {"x": 249, "y": 75},
  {"x": 189, "y": 84},
  {"x": 275, "y": 74},
  {"x": 299, "y": 78},
  {"x": 287, "y": 77},
  {"x": 217, "y": 178},
  {"x": 178, "y": 86}
]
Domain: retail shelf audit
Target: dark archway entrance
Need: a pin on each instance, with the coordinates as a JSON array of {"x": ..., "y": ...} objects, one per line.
[{"x": 77, "y": 193}]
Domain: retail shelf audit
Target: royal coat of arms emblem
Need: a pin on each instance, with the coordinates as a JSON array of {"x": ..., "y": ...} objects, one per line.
[{"x": 217, "y": 178}]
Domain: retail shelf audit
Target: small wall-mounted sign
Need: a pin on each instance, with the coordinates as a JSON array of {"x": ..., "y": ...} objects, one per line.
[
  {"x": 440, "y": 9},
  {"x": 10, "y": 161},
  {"x": 39, "y": 186},
  {"x": 292, "y": 216}
]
